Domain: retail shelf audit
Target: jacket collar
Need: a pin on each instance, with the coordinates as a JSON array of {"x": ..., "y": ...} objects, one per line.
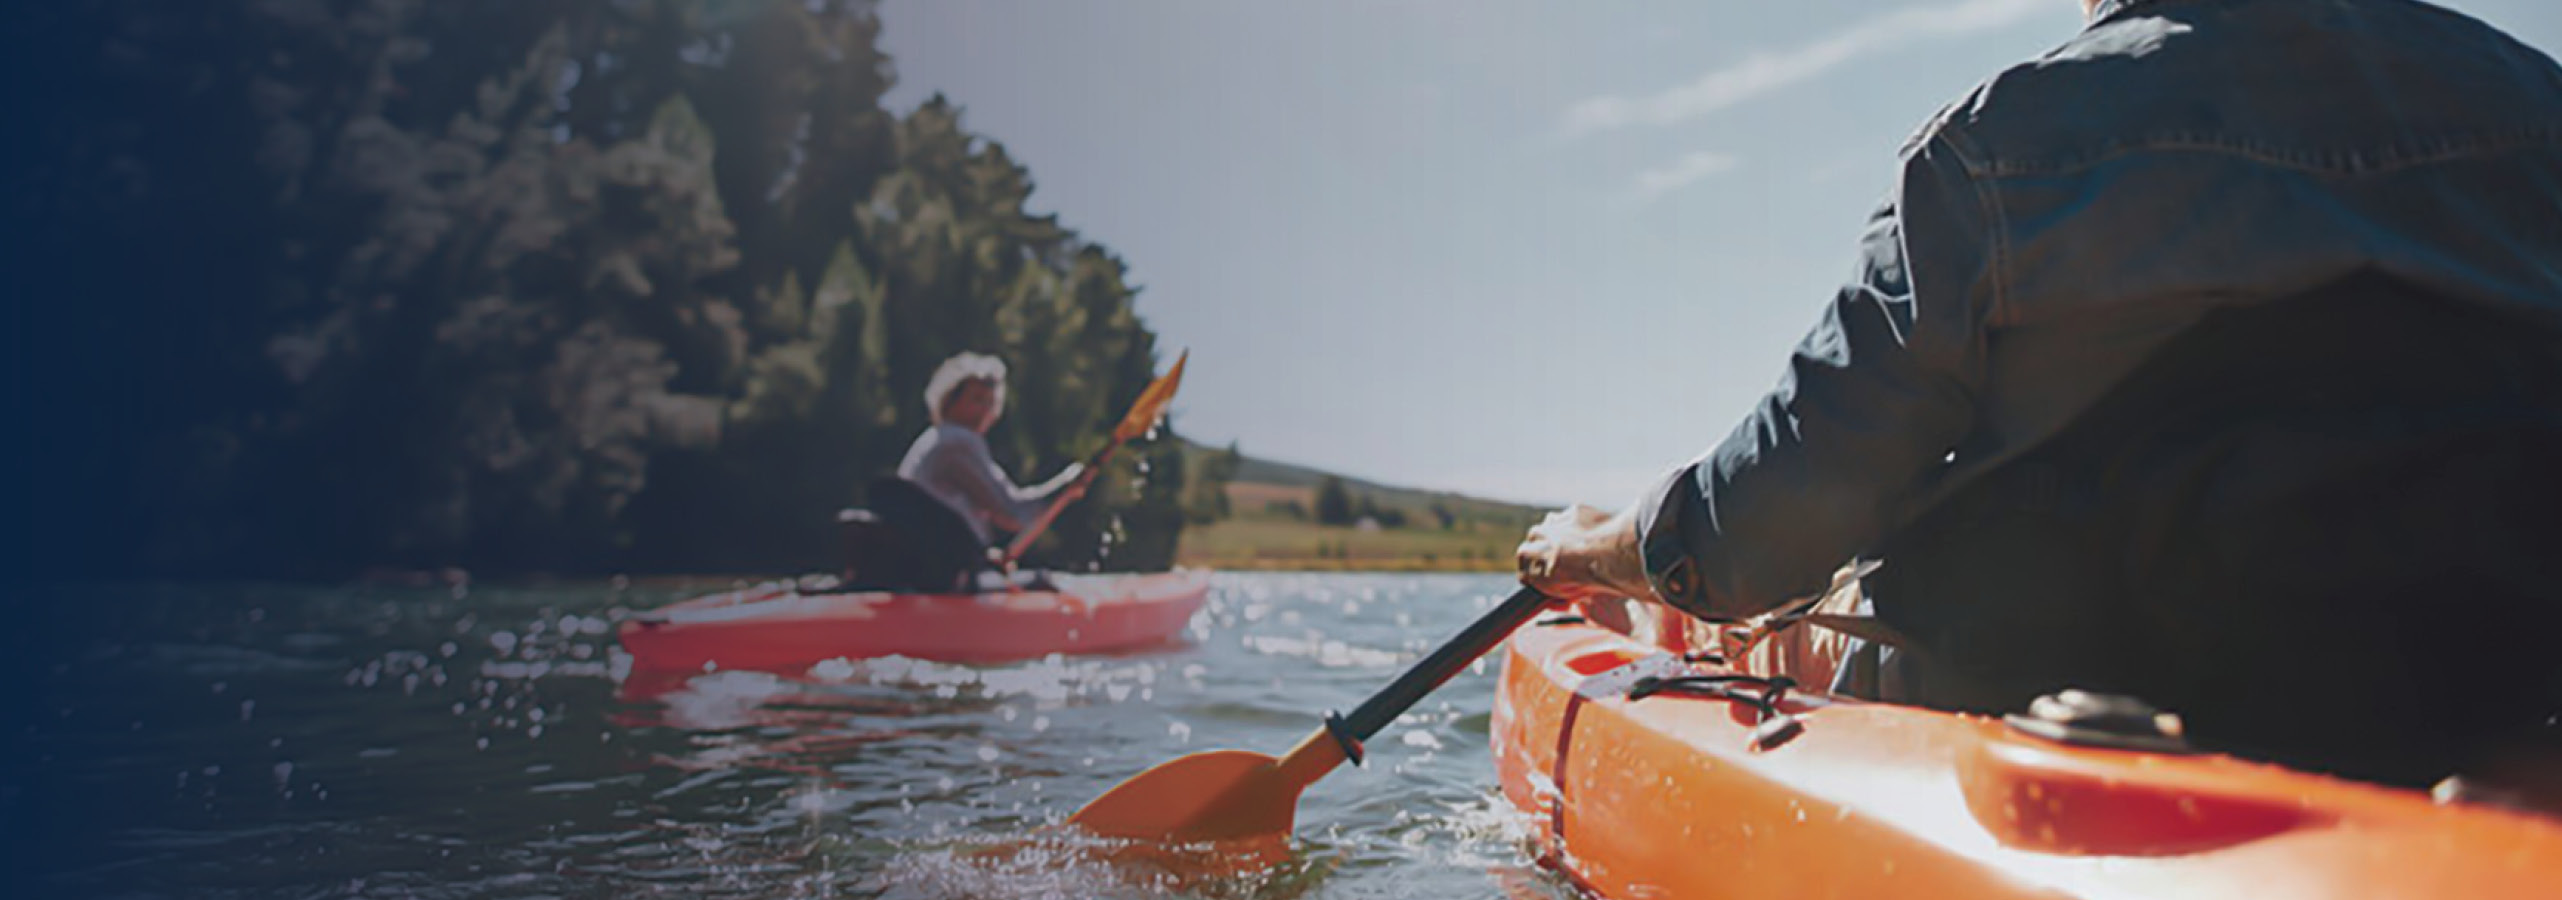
[{"x": 2107, "y": 8}]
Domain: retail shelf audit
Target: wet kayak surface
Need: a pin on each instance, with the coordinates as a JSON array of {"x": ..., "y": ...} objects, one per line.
[{"x": 256, "y": 741}]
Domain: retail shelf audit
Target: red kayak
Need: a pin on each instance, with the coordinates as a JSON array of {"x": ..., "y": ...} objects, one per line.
[{"x": 775, "y": 627}]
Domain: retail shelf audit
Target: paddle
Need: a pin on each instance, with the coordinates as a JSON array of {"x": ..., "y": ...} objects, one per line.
[
  {"x": 1141, "y": 417},
  {"x": 1226, "y": 795}
]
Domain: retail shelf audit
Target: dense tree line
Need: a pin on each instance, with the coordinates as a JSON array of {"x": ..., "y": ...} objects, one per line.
[{"x": 525, "y": 285}]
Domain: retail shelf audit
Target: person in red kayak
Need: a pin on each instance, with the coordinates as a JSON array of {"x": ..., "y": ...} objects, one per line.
[
  {"x": 951, "y": 459},
  {"x": 2214, "y": 359},
  {"x": 950, "y": 498}
]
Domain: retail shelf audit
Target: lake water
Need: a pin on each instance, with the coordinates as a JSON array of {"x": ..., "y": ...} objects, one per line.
[{"x": 262, "y": 741}]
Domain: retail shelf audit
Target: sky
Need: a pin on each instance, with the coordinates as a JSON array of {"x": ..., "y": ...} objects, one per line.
[{"x": 1532, "y": 251}]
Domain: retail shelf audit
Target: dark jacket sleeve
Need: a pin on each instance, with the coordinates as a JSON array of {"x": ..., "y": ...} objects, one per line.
[{"x": 1871, "y": 404}]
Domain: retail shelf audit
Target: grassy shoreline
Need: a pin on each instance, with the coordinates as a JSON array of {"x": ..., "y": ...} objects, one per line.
[
  {"x": 1405, "y": 566},
  {"x": 1268, "y": 543}
]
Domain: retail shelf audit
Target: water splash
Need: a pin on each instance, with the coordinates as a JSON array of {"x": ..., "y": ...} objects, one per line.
[{"x": 1064, "y": 863}]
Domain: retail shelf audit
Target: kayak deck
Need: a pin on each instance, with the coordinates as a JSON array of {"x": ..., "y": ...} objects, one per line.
[
  {"x": 1676, "y": 794},
  {"x": 775, "y": 627}
]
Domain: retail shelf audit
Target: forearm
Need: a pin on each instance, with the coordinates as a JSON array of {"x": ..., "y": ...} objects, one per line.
[
  {"x": 1051, "y": 488},
  {"x": 1030, "y": 503},
  {"x": 1616, "y": 561}
]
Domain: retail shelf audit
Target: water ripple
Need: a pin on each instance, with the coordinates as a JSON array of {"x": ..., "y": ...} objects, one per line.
[{"x": 494, "y": 742}]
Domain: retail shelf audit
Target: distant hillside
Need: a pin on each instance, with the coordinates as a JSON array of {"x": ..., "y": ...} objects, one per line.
[{"x": 1270, "y": 524}]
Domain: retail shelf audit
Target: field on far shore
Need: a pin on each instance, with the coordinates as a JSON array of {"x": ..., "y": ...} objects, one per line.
[{"x": 1270, "y": 528}]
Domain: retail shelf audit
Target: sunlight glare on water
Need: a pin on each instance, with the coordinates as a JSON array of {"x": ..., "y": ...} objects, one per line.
[{"x": 367, "y": 741}]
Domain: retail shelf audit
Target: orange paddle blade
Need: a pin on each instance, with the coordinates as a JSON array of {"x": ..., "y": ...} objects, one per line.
[
  {"x": 1151, "y": 403},
  {"x": 1216, "y": 796},
  {"x": 1223, "y": 795}
]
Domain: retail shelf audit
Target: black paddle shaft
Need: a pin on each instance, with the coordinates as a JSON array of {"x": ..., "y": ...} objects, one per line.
[{"x": 1426, "y": 676}]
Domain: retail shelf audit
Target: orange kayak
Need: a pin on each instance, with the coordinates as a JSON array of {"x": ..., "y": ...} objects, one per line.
[
  {"x": 1719, "y": 789},
  {"x": 773, "y": 627}
]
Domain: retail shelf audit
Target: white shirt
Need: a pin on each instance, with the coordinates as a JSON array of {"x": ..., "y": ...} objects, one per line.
[{"x": 952, "y": 463}]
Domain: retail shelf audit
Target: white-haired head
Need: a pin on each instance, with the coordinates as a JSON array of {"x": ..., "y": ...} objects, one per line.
[{"x": 961, "y": 369}]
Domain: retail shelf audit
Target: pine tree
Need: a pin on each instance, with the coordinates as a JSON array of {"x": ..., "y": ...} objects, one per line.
[{"x": 1334, "y": 502}]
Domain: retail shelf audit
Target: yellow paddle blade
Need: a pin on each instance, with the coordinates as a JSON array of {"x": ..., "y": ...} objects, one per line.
[
  {"x": 1151, "y": 403},
  {"x": 1223, "y": 795}
]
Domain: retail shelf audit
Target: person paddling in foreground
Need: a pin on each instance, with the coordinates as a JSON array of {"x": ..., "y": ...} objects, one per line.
[
  {"x": 951, "y": 463},
  {"x": 2215, "y": 359}
]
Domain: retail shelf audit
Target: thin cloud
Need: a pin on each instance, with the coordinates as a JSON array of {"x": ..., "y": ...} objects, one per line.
[
  {"x": 1764, "y": 72},
  {"x": 1657, "y": 182}
]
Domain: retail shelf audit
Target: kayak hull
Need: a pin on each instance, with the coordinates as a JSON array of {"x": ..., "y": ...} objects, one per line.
[
  {"x": 1676, "y": 795},
  {"x": 773, "y": 627}
]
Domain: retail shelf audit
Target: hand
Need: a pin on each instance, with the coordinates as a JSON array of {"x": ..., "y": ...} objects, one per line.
[
  {"x": 1583, "y": 553},
  {"x": 1590, "y": 558}
]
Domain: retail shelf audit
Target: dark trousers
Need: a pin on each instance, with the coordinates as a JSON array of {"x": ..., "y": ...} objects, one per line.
[{"x": 905, "y": 540}]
